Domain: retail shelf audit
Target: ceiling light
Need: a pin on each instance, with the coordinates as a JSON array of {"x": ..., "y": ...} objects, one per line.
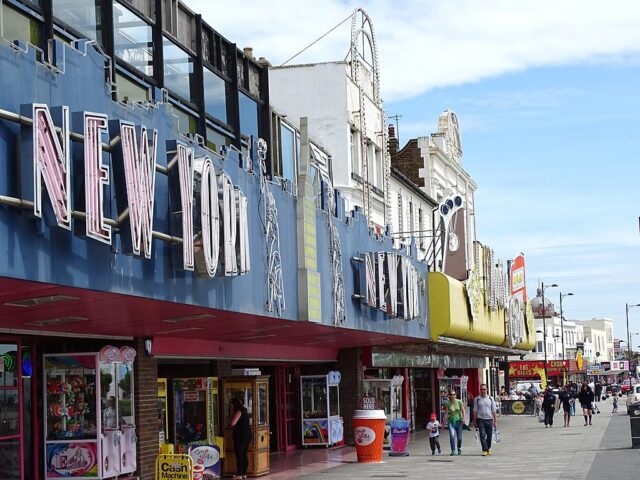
[
  {"x": 34, "y": 302},
  {"x": 54, "y": 322},
  {"x": 186, "y": 318},
  {"x": 254, "y": 337},
  {"x": 176, "y": 330}
]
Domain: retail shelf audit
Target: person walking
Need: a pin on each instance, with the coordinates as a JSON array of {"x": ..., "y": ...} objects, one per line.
[
  {"x": 615, "y": 404},
  {"x": 241, "y": 437},
  {"x": 548, "y": 406},
  {"x": 434, "y": 434},
  {"x": 533, "y": 390},
  {"x": 484, "y": 418},
  {"x": 454, "y": 409},
  {"x": 566, "y": 397},
  {"x": 586, "y": 397}
]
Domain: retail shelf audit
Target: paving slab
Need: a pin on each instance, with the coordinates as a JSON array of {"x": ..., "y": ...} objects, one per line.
[{"x": 528, "y": 451}]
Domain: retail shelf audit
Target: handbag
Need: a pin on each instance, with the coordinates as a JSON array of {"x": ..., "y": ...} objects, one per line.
[
  {"x": 497, "y": 438},
  {"x": 541, "y": 416}
]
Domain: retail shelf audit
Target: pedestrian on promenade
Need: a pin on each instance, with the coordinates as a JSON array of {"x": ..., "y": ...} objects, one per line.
[
  {"x": 566, "y": 397},
  {"x": 533, "y": 390},
  {"x": 241, "y": 436},
  {"x": 548, "y": 406},
  {"x": 598, "y": 391},
  {"x": 615, "y": 404},
  {"x": 484, "y": 418},
  {"x": 537, "y": 404},
  {"x": 454, "y": 409},
  {"x": 586, "y": 397},
  {"x": 434, "y": 434}
]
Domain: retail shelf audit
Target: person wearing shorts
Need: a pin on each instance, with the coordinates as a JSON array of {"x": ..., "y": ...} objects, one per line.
[{"x": 586, "y": 397}]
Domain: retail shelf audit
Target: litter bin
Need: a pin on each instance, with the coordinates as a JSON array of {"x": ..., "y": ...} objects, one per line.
[
  {"x": 368, "y": 429},
  {"x": 399, "y": 438},
  {"x": 634, "y": 418}
]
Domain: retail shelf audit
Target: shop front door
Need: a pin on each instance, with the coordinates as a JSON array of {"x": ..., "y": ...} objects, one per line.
[
  {"x": 287, "y": 407},
  {"x": 11, "y": 440}
]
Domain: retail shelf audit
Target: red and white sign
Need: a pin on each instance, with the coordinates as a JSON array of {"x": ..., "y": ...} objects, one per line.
[{"x": 517, "y": 278}]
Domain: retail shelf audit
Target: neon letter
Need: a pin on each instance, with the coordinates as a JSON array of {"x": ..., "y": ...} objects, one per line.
[
  {"x": 140, "y": 174},
  {"x": 370, "y": 275},
  {"x": 185, "y": 170},
  {"x": 242, "y": 250},
  {"x": 207, "y": 247},
  {"x": 96, "y": 176},
  {"x": 228, "y": 207},
  {"x": 51, "y": 163}
]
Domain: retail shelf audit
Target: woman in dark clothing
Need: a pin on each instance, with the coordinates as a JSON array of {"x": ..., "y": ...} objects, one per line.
[
  {"x": 566, "y": 397},
  {"x": 548, "y": 406},
  {"x": 241, "y": 437},
  {"x": 586, "y": 397}
]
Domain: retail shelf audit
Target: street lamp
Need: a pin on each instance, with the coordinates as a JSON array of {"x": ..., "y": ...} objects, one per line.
[
  {"x": 627, "y": 308},
  {"x": 562, "y": 295},
  {"x": 544, "y": 327}
]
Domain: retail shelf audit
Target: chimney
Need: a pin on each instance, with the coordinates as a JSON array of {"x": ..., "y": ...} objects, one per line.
[
  {"x": 393, "y": 143},
  {"x": 248, "y": 52}
]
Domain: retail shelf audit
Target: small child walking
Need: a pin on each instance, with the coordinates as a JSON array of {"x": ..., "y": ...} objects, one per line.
[
  {"x": 434, "y": 434},
  {"x": 615, "y": 404}
]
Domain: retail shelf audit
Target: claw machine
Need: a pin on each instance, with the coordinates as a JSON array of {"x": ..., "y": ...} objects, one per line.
[
  {"x": 320, "y": 400},
  {"x": 389, "y": 393},
  {"x": 254, "y": 393},
  {"x": 89, "y": 429},
  {"x": 195, "y": 410}
]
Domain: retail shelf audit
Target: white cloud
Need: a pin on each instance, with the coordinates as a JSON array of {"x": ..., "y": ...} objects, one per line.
[{"x": 424, "y": 44}]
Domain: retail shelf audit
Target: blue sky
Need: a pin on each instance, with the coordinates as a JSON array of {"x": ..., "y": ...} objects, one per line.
[
  {"x": 548, "y": 97},
  {"x": 554, "y": 151}
]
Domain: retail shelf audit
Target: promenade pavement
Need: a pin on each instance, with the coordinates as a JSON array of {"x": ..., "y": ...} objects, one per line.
[{"x": 528, "y": 451}]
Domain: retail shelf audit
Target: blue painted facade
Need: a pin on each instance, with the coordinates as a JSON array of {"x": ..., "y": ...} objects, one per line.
[{"x": 30, "y": 249}]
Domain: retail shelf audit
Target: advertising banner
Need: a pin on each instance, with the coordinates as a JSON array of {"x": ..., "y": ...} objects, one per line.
[
  {"x": 535, "y": 368},
  {"x": 174, "y": 467}
]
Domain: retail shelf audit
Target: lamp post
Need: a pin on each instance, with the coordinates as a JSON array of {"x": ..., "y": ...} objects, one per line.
[
  {"x": 627, "y": 308},
  {"x": 562, "y": 295},
  {"x": 544, "y": 327}
]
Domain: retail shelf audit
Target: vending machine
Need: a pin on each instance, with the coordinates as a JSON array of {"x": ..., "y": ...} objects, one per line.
[{"x": 89, "y": 412}]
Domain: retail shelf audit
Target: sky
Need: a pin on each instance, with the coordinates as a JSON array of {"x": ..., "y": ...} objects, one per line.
[{"x": 547, "y": 95}]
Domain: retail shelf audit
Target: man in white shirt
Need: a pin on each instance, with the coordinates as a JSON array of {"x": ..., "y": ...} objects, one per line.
[{"x": 484, "y": 418}]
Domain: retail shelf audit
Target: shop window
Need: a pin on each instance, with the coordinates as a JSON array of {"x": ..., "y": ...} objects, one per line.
[
  {"x": 224, "y": 59},
  {"x": 145, "y": 7},
  {"x": 215, "y": 95},
  {"x": 18, "y": 26},
  {"x": 206, "y": 46},
  {"x": 178, "y": 70},
  {"x": 248, "y": 116},
  {"x": 254, "y": 80},
  {"x": 130, "y": 91},
  {"x": 133, "y": 39},
  {"x": 171, "y": 16},
  {"x": 240, "y": 71},
  {"x": 288, "y": 153},
  {"x": 185, "y": 123},
  {"x": 215, "y": 139},
  {"x": 82, "y": 16},
  {"x": 186, "y": 29}
]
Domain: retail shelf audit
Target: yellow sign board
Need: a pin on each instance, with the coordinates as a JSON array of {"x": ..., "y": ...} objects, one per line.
[{"x": 174, "y": 467}]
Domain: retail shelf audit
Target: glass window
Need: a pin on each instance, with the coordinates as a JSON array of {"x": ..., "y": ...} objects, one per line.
[
  {"x": 10, "y": 412},
  {"x": 185, "y": 123},
  {"x": 262, "y": 405},
  {"x": 17, "y": 26},
  {"x": 10, "y": 459},
  {"x": 186, "y": 34},
  {"x": 82, "y": 16},
  {"x": 178, "y": 70},
  {"x": 288, "y": 152},
  {"x": 129, "y": 91},
  {"x": 8, "y": 359},
  {"x": 146, "y": 7},
  {"x": 248, "y": 116},
  {"x": 215, "y": 95},
  {"x": 133, "y": 39},
  {"x": 215, "y": 139},
  {"x": 254, "y": 80}
]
